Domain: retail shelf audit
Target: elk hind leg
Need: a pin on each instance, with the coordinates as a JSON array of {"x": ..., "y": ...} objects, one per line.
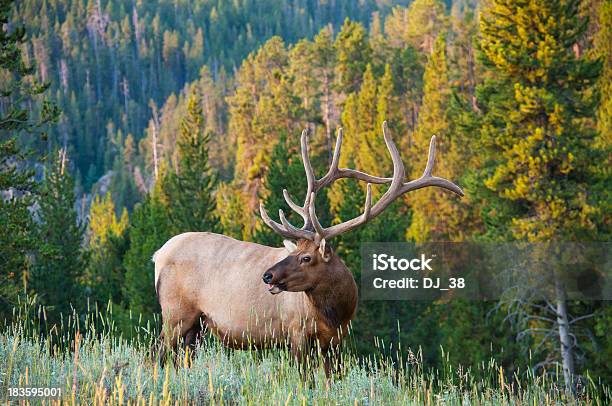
[
  {"x": 175, "y": 328},
  {"x": 194, "y": 335}
]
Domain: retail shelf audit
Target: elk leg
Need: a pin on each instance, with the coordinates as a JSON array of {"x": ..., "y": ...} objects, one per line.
[
  {"x": 332, "y": 361},
  {"x": 194, "y": 335},
  {"x": 305, "y": 356},
  {"x": 173, "y": 329}
]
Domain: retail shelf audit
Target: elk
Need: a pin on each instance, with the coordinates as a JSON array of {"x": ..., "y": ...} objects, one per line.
[{"x": 253, "y": 296}]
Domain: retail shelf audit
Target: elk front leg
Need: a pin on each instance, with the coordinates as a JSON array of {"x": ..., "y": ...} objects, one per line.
[
  {"x": 332, "y": 361},
  {"x": 302, "y": 351}
]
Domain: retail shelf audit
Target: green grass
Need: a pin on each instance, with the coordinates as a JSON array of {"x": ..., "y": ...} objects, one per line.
[{"x": 99, "y": 366}]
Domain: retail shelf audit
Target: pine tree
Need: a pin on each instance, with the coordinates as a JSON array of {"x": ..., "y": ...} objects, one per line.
[
  {"x": 60, "y": 258},
  {"x": 366, "y": 124},
  {"x": 359, "y": 119},
  {"x": 256, "y": 72},
  {"x": 603, "y": 49},
  {"x": 285, "y": 172},
  {"x": 387, "y": 109},
  {"x": 123, "y": 187},
  {"x": 541, "y": 145},
  {"x": 21, "y": 93},
  {"x": 303, "y": 80},
  {"x": 149, "y": 229},
  {"x": 106, "y": 243},
  {"x": 323, "y": 62},
  {"x": 436, "y": 214},
  {"x": 190, "y": 189},
  {"x": 353, "y": 53},
  {"x": 234, "y": 220},
  {"x": 539, "y": 153},
  {"x": 603, "y": 141},
  {"x": 350, "y": 126},
  {"x": 418, "y": 25},
  {"x": 263, "y": 106}
]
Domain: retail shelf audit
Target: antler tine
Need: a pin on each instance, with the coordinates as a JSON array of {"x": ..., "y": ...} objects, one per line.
[
  {"x": 295, "y": 207},
  {"x": 310, "y": 179},
  {"x": 368, "y": 203},
  {"x": 333, "y": 168},
  {"x": 294, "y": 230},
  {"x": 279, "y": 229},
  {"x": 320, "y": 232},
  {"x": 431, "y": 157},
  {"x": 427, "y": 179},
  {"x": 398, "y": 166}
]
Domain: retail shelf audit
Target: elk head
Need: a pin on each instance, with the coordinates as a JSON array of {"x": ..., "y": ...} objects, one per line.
[
  {"x": 307, "y": 264},
  {"x": 311, "y": 258}
]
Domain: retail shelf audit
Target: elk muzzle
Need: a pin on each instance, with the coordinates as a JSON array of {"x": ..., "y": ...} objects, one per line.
[
  {"x": 275, "y": 277},
  {"x": 274, "y": 286}
]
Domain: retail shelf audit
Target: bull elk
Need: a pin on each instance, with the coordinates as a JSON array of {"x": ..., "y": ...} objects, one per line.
[{"x": 251, "y": 296}]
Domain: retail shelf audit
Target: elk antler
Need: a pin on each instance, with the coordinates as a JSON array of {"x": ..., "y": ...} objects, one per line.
[{"x": 312, "y": 229}]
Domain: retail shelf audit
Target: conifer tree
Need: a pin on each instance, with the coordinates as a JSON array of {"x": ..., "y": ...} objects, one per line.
[
  {"x": 539, "y": 150},
  {"x": 234, "y": 220},
  {"x": 252, "y": 97},
  {"x": 303, "y": 80},
  {"x": 603, "y": 49},
  {"x": 387, "y": 109},
  {"x": 436, "y": 216},
  {"x": 386, "y": 106},
  {"x": 418, "y": 25},
  {"x": 324, "y": 61},
  {"x": 21, "y": 98},
  {"x": 60, "y": 259},
  {"x": 348, "y": 118},
  {"x": 366, "y": 121},
  {"x": 190, "y": 189},
  {"x": 106, "y": 244},
  {"x": 149, "y": 229},
  {"x": 538, "y": 138},
  {"x": 359, "y": 118},
  {"x": 285, "y": 172},
  {"x": 603, "y": 141},
  {"x": 353, "y": 54}
]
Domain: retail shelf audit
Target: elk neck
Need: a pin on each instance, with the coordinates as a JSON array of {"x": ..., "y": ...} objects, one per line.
[{"x": 334, "y": 298}]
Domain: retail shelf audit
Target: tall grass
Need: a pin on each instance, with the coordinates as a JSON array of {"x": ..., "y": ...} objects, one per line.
[{"x": 95, "y": 364}]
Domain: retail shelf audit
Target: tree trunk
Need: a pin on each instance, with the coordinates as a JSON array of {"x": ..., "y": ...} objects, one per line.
[{"x": 565, "y": 340}]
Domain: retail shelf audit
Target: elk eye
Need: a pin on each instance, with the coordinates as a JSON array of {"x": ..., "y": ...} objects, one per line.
[{"x": 305, "y": 259}]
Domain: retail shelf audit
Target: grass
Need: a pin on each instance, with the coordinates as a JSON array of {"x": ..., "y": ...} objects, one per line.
[{"x": 93, "y": 364}]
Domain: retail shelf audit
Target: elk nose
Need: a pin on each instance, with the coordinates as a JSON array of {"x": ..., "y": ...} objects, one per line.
[{"x": 267, "y": 277}]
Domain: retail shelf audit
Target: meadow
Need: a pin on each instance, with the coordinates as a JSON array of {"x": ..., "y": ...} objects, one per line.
[{"x": 94, "y": 364}]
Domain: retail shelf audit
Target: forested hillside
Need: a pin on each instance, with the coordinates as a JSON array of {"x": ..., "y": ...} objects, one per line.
[
  {"x": 108, "y": 61},
  {"x": 183, "y": 116}
]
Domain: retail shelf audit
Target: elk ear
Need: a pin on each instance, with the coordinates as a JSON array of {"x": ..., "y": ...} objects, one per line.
[
  {"x": 289, "y": 245},
  {"x": 324, "y": 251}
]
